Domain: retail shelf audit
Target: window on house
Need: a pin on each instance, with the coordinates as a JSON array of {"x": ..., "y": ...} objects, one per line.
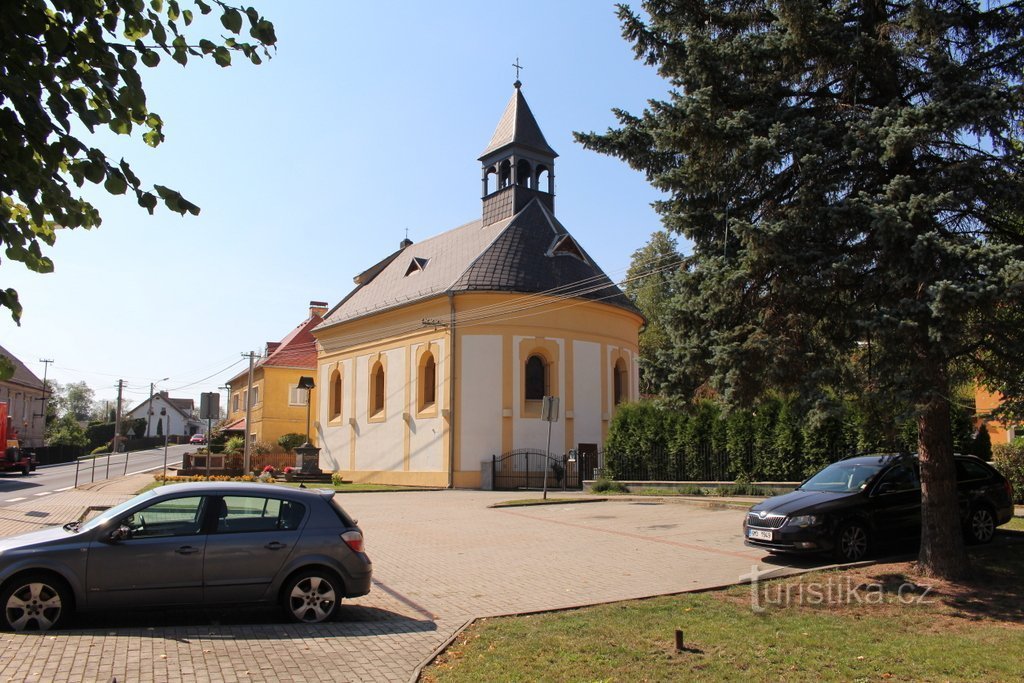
[
  {"x": 296, "y": 396},
  {"x": 335, "y": 395},
  {"x": 377, "y": 389},
  {"x": 234, "y": 404},
  {"x": 428, "y": 381},
  {"x": 620, "y": 382},
  {"x": 255, "y": 395},
  {"x": 536, "y": 378}
]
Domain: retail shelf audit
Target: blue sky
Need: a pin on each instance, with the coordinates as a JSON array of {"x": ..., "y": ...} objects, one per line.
[{"x": 311, "y": 167}]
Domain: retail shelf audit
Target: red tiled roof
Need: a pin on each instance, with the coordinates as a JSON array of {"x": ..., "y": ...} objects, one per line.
[
  {"x": 236, "y": 426},
  {"x": 296, "y": 350}
]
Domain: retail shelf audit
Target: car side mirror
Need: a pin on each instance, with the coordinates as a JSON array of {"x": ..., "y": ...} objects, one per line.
[{"x": 119, "y": 534}]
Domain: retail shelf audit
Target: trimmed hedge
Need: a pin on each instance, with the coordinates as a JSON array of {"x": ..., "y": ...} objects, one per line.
[{"x": 1008, "y": 458}]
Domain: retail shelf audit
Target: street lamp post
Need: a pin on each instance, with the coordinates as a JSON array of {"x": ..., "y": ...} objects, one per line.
[
  {"x": 167, "y": 433},
  {"x": 307, "y": 456}
]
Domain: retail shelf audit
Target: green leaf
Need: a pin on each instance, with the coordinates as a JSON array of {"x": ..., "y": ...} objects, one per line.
[
  {"x": 173, "y": 10},
  {"x": 147, "y": 201},
  {"x": 157, "y": 5},
  {"x": 121, "y": 127},
  {"x": 222, "y": 56},
  {"x": 150, "y": 58},
  {"x": 94, "y": 172},
  {"x": 263, "y": 31},
  {"x": 203, "y": 7},
  {"x": 115, "y": 183},
  {"x": 188, "y": 17},
  {"x": 207, "y": 46},
  {"x": 232, "y": 20}
]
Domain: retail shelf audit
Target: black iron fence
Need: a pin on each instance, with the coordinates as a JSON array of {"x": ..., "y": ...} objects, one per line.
[{"x": 526, "y": 468}]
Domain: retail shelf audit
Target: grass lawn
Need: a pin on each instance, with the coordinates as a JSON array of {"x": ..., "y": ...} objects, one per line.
[{"x": 849, "y": 625}]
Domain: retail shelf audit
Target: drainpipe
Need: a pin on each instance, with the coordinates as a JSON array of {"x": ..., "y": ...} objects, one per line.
[{"x": 451, "y": 393}]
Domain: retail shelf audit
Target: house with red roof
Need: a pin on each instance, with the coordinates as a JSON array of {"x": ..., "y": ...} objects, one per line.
[{"x": 277, "y": 405}]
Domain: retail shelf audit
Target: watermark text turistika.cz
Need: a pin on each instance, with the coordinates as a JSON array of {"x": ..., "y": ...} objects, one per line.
[{"x": 838, "y": 590}]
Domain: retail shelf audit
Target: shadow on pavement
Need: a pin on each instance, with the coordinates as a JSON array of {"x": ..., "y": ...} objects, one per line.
[{"x": 258, "y": 622}]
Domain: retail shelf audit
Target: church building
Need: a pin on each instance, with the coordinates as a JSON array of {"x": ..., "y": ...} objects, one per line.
[{"x": 441, "y": 355}]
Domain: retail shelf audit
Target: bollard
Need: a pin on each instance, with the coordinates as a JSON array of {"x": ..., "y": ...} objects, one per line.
[{"x": 679, "y": 640}]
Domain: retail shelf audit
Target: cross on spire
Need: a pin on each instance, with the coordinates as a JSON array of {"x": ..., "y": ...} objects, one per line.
[{"x": 517, "y": 67}]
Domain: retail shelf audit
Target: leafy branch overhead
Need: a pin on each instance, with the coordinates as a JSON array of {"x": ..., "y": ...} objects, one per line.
[{"x": 70, "y": 66}]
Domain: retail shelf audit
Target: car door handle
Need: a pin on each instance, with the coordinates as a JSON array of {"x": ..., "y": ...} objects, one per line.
[
  {"x": 275, "y": 545},
  {"x": 187, "y": 550}
]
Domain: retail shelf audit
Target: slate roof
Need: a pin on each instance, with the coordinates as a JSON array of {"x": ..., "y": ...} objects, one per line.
[
  {"x": 512, "y": 255},
  {"x": 519, "y": 127},
  {"x": 22, "y": 375}
]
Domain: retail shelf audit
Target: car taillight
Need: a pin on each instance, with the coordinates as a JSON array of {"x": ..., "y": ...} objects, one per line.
[{"x": 354, "y": 540}]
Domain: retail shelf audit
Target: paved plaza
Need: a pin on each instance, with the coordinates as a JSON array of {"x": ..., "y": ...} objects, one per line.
[{"x": 441, "y": 558}]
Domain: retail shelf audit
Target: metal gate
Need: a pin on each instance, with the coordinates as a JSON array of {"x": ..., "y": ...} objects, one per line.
[{"x": 524, "y": 469}]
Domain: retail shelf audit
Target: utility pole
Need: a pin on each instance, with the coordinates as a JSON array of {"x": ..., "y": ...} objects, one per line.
[
  {"x": 247, "y": 451},
  {"x": 149, "y": 409},
  {"x": 46, "y": 367},
  {"x": 117, "y": 417}
]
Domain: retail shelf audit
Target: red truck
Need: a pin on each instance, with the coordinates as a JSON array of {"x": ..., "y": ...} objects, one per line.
[{"x": 14, "y": 458}]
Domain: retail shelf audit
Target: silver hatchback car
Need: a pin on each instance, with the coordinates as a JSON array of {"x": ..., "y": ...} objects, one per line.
[{"x": 190, "y": 544}]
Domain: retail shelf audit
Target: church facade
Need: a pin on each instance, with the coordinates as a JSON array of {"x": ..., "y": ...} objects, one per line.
[{"x": 441, "y": 355}]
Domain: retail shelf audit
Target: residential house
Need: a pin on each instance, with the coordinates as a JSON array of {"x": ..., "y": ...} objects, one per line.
[
  {"x": 23, "y": 394},
  {"x": 166, "y": 415},
  {"x": 441, "y": 355},
  {"x": 985, "y": 402},
  {"x": 278, "y": 406}
]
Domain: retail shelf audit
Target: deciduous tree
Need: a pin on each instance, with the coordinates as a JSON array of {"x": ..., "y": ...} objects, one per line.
[
  {"x": 847, "y": 175},
  {"x": 68, "y": 67}
]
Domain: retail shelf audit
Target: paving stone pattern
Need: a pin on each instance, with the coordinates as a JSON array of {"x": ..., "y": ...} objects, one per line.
[{"x": 440, "y": 558}]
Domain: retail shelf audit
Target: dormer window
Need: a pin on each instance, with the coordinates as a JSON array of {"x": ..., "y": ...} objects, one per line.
[
  {"x": 416, "y": 265},
  {"x": 567, "y": 246}
]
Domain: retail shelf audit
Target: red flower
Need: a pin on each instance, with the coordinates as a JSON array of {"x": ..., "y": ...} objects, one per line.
[{"x": 269, "y": 468}]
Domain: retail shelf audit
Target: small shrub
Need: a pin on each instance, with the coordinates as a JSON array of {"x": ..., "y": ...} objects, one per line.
[
  {"x": 743, "y": 489},
  {"x": 609, "y": 486},
  {"x": 262, "y": 448},
  {"x": 337, "y": 478},
  {"x": 100, "y": 449},
  {"x": 1008, "y": 458},
  {"x": 235, "y": 444},
  {"x": 290, "y": 441}
]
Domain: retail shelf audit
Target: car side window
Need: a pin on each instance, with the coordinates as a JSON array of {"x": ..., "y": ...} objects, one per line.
[
  {"x": 899, "y": 478},
  {"x": 172, "y": 517},
  {"x": 240, "y": 514},
  {"x": 969, "y": 471}
]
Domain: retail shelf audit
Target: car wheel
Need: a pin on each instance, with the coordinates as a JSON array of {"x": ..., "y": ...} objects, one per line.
[
  {"x": 311, "y": 596},
  {"x": 26, "y": 469},
  {"x": 35, "y": 602},
  {"x": 851, "y": 542},
  {"x": 981, "y": 525}
]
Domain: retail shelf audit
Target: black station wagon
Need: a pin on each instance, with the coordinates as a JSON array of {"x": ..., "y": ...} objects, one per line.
[{"x": 859, "y": 504}]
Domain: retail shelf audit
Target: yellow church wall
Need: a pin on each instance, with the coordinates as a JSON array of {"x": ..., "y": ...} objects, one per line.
[{"x": 384, "y": 451}]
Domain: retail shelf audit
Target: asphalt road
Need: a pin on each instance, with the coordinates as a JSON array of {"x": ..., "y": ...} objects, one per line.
[{"x": 16, "y": 487}]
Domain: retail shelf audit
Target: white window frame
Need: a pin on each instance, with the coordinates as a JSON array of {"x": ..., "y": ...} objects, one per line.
[{"x": 296, "y": 396}]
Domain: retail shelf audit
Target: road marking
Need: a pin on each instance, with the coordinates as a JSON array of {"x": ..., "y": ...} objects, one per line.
[
  {"x": 66, "y": 488},
  {"x": 155, "y": 467},
  {"x": 44, "y": 493},
  {"x": 14, "y": 500}
]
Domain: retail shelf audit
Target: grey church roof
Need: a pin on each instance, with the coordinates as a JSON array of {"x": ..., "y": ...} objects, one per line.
[
  {"x": 518, "y": 126},
  {"x": 531, "y": 252}
]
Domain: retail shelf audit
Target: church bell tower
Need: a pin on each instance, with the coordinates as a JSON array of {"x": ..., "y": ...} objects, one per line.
[{"x": 518, "y": 164}]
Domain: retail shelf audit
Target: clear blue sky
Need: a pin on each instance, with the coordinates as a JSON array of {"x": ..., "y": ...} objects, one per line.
[{"x": 311, "y": 167}]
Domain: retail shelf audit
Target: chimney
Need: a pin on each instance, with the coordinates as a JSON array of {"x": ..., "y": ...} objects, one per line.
[
  {"x": 317, "y": 308},
  {"x": 272, "y": 346}
]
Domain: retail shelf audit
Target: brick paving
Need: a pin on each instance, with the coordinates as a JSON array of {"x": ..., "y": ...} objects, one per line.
[{"x": 440, "y": 559}]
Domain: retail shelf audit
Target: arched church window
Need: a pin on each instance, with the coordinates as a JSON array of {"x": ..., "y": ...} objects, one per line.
[
  {"x": 428, "y": 381},
  {"x": 620, "y": 382},
  {"x": 536, "y": 378},
  {"x": 377, "y": 386},
  {"x": 335, "y": 396},
  {"x": 542, "y": 179}
]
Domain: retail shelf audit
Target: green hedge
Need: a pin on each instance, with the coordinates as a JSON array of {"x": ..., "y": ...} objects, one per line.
[
  {"x": 1008, "y": 458},
  {"x": 779, "y": 440}
]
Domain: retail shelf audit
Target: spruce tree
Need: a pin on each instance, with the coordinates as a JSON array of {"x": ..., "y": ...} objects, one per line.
[{"x": 848, "y": 175}]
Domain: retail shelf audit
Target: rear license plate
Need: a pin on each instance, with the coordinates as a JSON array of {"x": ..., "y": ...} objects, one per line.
[{"x": 759, "y": 534}]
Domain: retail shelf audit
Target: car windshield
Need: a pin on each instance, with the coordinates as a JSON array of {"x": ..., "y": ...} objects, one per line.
[
  {"x": 843, "y": 477},
  {"x": 116, "y": 511}
]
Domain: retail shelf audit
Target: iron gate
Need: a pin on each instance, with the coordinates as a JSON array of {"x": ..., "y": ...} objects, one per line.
[{"x": 524, "y": 469}]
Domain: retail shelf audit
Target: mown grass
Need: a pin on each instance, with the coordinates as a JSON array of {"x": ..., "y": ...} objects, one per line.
[{"x": 946, "y": 634}]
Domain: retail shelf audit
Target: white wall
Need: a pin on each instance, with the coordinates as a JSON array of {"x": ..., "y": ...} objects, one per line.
[
  {"x": 479, "y": 415},
  {"x": 586, "y": 392},
  {"x": 379, "y": 445}
]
